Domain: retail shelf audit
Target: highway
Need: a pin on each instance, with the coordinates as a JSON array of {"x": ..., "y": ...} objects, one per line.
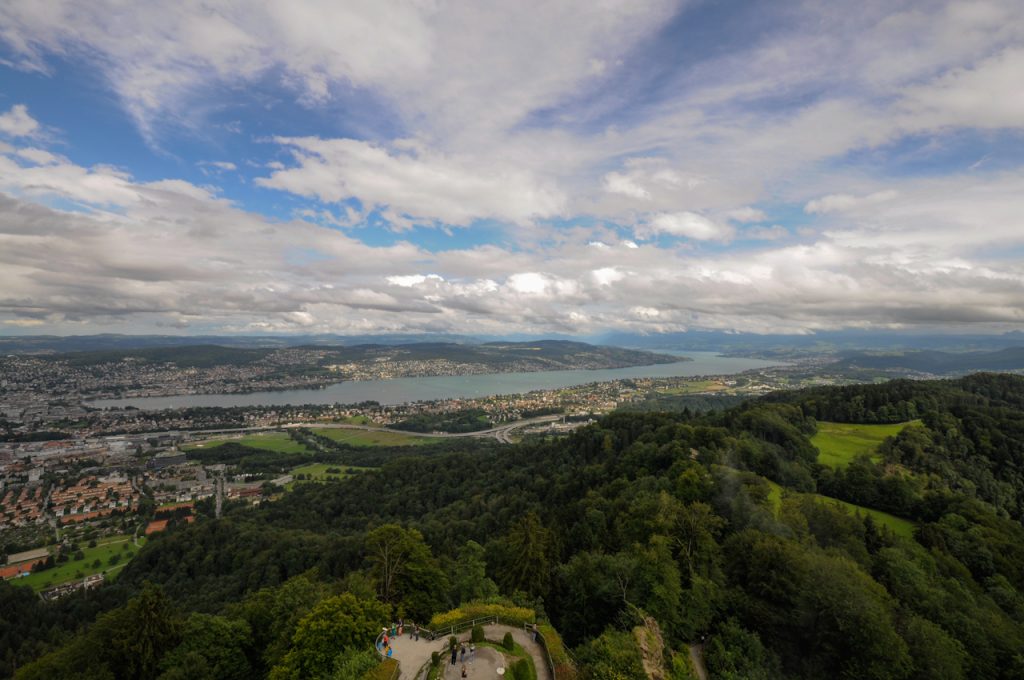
[{"x": 502, "y": 432}]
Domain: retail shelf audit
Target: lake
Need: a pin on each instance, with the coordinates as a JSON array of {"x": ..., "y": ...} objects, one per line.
[{"x": 402, "y": 390}]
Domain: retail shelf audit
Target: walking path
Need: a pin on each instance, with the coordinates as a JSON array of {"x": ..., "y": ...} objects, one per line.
[
  {"x": 697, "y": 659},
  {"x": 413, "y": 654}
]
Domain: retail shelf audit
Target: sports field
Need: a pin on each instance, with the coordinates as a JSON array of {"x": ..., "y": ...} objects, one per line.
[
  {"x": 269, "y": 441},
  {"x": 371, "y": 437},
  {"x": 840, "y": 443},
  {"x": 73, "y": 569}
]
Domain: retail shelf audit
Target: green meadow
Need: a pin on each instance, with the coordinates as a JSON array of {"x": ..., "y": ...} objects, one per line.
[
  {"x": 73, "y": 569},
  {"x": 318, "y": 472},
  {"x": 898, "y": 525},
  {"x": 268, "y": 441},
  {"x": 840, "y": 443},
  {"x": 371, "y": 437}
]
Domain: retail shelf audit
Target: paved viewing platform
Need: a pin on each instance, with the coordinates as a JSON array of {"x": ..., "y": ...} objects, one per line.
[{"x": 414, "y": 655}]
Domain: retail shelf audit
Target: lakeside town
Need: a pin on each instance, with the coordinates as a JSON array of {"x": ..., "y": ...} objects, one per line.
[{"x": 75, "y": 479}]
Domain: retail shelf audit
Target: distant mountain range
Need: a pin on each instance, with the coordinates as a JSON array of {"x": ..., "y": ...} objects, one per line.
[
  {"x": 542, "y": 355},
  {"x": 938, "y": 363},
  {"x": 695, "y": 340},
  {"x": 110, "y": 341}
]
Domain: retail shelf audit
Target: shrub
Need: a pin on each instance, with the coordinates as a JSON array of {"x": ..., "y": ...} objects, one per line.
[
  {"x": 478, "y": 634},
  {"x": 520, "y": 670},
  {"x": 435, "y": 658},
  {"x": 453, "y": 642},
  {"x": 507, "y": 642},
  {"x": 479, "y": 610},
  {"x": 565, "y": 669},
  {"x": 385, "y": 671}
]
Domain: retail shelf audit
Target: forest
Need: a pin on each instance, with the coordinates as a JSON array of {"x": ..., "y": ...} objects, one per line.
[{"x": 685, "y": 526}]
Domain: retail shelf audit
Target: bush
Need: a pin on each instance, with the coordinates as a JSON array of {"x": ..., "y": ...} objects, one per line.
[
  {"x": 435, "y": 658},
  {"x": 565, "y": 669},
  {"x": 479, "y": 610},
  {"x": 477, "y": 634},
  {"x": 385, "y": 671},
  {"x": 453, "y": 642},
  {"x": 520, "y": 670},
  {"x": 507, "y": 642}
]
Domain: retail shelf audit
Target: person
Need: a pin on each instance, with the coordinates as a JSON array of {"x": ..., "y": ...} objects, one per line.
[
  {"x": 462, "y": 652},
  {"x": 389, "y": 651},
  {"x": 455, "y": 654},
  {"x": 386, "y": 638},
  {"x": 416, "y": 632},
  {"x": 464, "y": 673},
  {"x": 401, "y": 624},
  {"x": 472, "y": 652},
  {"x": 535, "y": 632}
]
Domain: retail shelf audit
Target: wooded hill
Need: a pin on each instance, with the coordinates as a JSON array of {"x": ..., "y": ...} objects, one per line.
[{"x": 666, "y": 516}]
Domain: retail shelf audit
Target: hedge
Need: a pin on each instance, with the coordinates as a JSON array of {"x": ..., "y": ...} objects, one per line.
[
  {"x": 564, "y": 667},
  {"x": 481, "y": 610}
]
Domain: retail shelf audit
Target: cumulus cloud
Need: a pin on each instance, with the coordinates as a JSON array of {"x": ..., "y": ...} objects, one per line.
[
  {"x": 524, "y": 115},
  {"x": 421, "y": 184},
  {"x": 16, "y": 122},
  {"x": 844, "y": 202},
  {"x": 686, "y": 224}
]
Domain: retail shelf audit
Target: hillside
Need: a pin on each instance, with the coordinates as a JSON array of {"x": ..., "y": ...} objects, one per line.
[
  {"x": 714, "y": 526},
  {"x": 937, "y": 363}
]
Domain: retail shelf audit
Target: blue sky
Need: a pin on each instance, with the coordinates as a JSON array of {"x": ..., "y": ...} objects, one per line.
[{"x": 360, "y": 167}]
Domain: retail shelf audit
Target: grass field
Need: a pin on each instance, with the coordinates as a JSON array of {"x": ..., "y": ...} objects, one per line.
[
  {"x": 70, "y": 570},
  {"x": 840, "y": 443},
  {"x": 317, "y": 472},
  {"x": 371, "y": 438},
  {"x": 270, "y": 441},
  {"x": 694, "y": 387},
  {"x": 899, "y": 526}
]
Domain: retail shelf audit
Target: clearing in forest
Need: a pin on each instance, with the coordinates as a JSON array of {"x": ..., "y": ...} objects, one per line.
[
  {"x": 840, "y": 443},
  {"x": 354, "y": 437},
  {"x": 268, "y": 441},
  {"x": 898, "y": 525}
]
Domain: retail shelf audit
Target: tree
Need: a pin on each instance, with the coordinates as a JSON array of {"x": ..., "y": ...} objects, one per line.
[
  {"x": 469, "y": 575},
  {"x": 405, "y": 570},
  {"x": 212, "y": 648},
  {"x": 334, "y": 626},
  {"x": 527, "y": 552}
]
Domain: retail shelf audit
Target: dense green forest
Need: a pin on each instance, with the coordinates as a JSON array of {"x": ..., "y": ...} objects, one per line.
[{"x": 673, "y": 518}]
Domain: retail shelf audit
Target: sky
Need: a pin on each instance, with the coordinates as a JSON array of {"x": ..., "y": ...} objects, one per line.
[{"x": 532, "y": 167}]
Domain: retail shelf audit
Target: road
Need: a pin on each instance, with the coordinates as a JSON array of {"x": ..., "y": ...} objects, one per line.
[{"x": 502, "y": 432}]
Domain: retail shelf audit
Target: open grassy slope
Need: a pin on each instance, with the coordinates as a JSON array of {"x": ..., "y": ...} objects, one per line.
[{"x": 840, "y": 443}]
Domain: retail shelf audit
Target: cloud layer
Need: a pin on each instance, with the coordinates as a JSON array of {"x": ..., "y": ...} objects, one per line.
[{"x": 547, "y": 167}]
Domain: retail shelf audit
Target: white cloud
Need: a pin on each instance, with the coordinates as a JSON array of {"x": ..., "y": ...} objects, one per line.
[
  {"x": 423, "y": 185},
  {"x": 746, "y": 214},
  {"x": 686, "y": 224},
  {"x": 16, "y": 122},
  {"x": 845, "y": 202}
]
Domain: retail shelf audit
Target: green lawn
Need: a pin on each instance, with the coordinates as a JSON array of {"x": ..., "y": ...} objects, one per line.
[
  {"x": 840, "y": 443},
  {"x": 371, "y": 437},
  {"x": 318, "y": 471},
  {"x": 269, "y": 441},
  {"x": 69, "y": 571}
]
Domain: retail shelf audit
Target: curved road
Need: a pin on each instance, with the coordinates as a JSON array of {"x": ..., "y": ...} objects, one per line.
[{"x": 501, "y": 432}]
